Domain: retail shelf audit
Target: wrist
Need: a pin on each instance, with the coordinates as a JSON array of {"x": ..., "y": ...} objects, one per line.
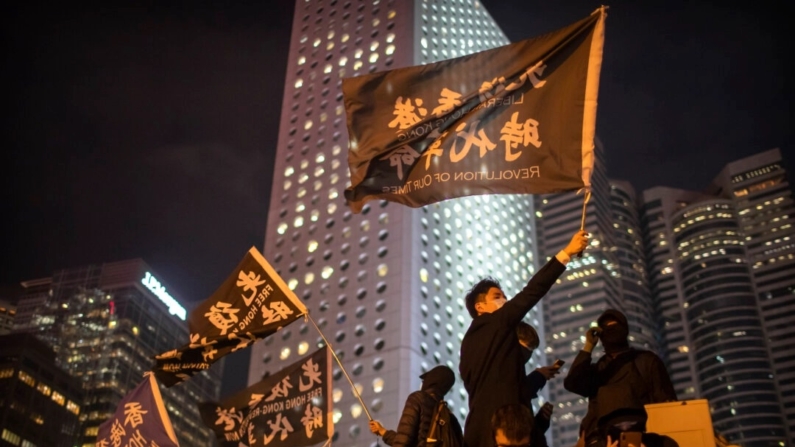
[{"x": 588, "y": 347}]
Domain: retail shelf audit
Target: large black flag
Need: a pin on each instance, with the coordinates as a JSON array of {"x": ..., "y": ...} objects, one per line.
[
  {"x": 291, "y": 408},
  {"x": 516, "y": 119},
  {"x": 251, "y": 304}
]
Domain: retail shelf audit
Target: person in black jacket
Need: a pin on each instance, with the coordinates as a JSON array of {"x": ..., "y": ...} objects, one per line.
[
  {"x": 619, "y": 384},
  {"x": 491, "y": 364},
  {"x": 528, "y": 338},
  {"x": 415, "y": 421}
]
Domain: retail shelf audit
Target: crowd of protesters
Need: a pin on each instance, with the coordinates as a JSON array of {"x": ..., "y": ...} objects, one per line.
[{"x": 494, "y": 352}]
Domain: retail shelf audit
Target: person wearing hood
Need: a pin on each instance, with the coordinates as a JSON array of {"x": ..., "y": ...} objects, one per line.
[
  {"x": 415, "y": 421},
  {"x": 619, "y": 384}
]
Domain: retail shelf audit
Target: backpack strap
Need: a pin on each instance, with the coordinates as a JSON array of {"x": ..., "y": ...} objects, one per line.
[{"x": 435, "y": 422}]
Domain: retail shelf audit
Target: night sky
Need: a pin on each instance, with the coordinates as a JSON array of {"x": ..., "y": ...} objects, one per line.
[{"x": 149, "y": 131}]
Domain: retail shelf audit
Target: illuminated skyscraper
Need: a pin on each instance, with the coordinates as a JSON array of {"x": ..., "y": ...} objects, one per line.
[
  {"x": 386, "y": 286},
  {"x": 721, "y": 267},
  {"x": 588, "y": 286},
  {"x": 106, "y": 323}
]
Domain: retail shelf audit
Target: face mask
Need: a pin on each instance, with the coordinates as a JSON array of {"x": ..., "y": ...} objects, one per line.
[{"x": 614, "y": 333}]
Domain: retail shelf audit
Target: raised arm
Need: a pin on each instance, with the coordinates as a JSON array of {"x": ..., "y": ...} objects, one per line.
[{"x": 516, "y": 308}]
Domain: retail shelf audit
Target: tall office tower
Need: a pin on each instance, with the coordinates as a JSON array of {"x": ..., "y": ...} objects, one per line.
[
  {"x": 589, "y": 286},
  {"x": 106, "y": 323},
  {"x": 762, "y": 197},
  {"x": 387, "y": 285},
  {"x": 8, "y": 311},
  {"x": 637, "y": 299},
  {"x": 714, "y": 333},
  {"x": 39, "y": 402}
]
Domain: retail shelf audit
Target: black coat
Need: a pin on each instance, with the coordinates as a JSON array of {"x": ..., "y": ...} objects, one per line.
[
  {"x": 491, "y": 363},
  {"x": 586, "y": 378},
  {"x": 415, "y": 421}
]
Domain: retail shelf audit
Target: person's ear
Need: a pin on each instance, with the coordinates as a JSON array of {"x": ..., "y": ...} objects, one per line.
[{"x": 479, "y": 307}]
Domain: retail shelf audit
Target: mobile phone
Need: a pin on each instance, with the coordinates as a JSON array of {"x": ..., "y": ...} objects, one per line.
[
  {"x": 630, "y": 439},
  {"x": 558, "y": 363}
]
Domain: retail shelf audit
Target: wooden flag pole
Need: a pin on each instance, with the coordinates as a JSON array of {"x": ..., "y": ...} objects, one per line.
[{"x": 355, "y": 391}]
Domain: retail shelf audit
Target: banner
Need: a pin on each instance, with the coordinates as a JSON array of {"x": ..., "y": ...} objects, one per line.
[
  {"x": 251, "y": 304},
  {"x": 140, "y": 420},
  {"x": 291, "y": 408},
  {"x": 516, "y": 119}
]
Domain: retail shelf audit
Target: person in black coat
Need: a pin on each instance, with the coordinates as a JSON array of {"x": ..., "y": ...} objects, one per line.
[
  {"x": 491, "y": 364},
  {"x": 415, "y": 421},
  {"x": 619, "y": 384}
]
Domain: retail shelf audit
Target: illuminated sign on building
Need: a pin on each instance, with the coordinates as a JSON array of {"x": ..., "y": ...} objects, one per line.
[{"x": 160, "y": 291}]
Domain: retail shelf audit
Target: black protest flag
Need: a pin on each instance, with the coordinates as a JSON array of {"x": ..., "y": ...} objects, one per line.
[
  {"x": 291, "y": 408},
  {"x": 140, "y": 419},
  {"x": 251, "y": 304},
  {"x": 515, "y": 119}
]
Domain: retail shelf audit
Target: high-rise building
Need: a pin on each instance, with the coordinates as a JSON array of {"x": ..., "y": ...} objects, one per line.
[
  {"x": 589, "y": 285},
  {"x": 39, "y": 402},
  {"x": 106, "y": 323},
  {"x": 762, "y": 198},
  {"x": 386, "y": 286},
  {"x": 721, "y": 268},
  {"x": 637, "y": 299}
]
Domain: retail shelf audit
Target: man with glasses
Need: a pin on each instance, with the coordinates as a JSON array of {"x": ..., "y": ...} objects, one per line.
[{"x": 492, "y": 365}]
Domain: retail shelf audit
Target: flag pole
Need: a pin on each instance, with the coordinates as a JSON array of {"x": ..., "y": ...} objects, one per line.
[
  {"x": 585, "y": 200},
  {"x": 355, "y": 391}
]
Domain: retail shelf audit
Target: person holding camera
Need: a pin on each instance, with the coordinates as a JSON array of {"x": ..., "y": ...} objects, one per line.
[{"x": 619, "y": 384}]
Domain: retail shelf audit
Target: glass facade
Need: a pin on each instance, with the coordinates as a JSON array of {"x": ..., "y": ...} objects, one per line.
[
  {"x": 106, "y": 326},
  {"x": 589, "y": 285},
  {"x": 714, "y": 260},
  {"x": 39, "y": 403}
]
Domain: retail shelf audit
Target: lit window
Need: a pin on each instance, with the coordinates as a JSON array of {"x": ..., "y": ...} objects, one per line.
[
  {"x": 302, "y": 60},
  {"x": 327, "y": 272},
  {"x": 303, "y": 347},
  {"x": 58, "y": 398},
  {"x": 389, "y": 50},
  {"x": 292, "y": 284},
  {"x": 299, "y": 82},
  {"x": 337, "y": 415},
  {"x": 72, "y": 407},
  {"x": 423, "y": 275},
  {"x": 343, "y": 61},
  {"x": 378, "y": 385},
  {"x": 44, "y": 389},
  {"x": 308, "y": 125},
  {"x": 373, "y": 58},
  {"x": 285, "y": 353},
  {"x": 309, "y": 278},
  {"x": 336, "y": 395},
  {"x": 26, "y": 378},
  {"x": 382, "y": 270},
  {"x": 298, "y": 222},
  {"x": 356, "y": 410}
]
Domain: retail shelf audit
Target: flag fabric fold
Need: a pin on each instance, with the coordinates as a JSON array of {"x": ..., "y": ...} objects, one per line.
[
  {"x": 252, "y": 303},
  {"x": 515, "y": 119},
  {"x": 291, "y": 408},
  {"x": 140, "y": 420}
]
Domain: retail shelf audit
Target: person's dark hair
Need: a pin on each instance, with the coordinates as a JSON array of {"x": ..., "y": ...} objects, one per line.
[
  {"x": 527, "y": 335},
  {"x": 515, "y": 421},
  {"x": 478, "y": 293}
]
